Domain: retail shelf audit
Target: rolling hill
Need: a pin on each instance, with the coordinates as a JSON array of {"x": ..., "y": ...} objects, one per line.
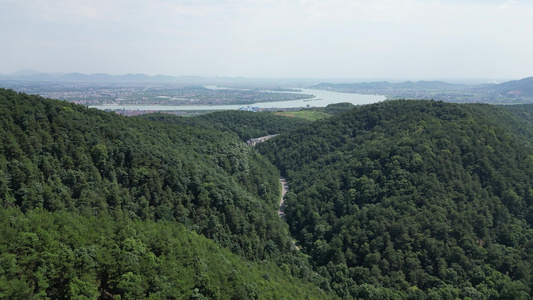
[{"x": 516, "y": 88}]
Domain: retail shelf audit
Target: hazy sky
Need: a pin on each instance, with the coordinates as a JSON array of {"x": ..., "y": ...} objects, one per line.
[{"x": 404, "y": 39}]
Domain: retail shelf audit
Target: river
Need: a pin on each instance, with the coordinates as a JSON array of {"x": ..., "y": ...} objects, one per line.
[{"x": 322, "y": 98}]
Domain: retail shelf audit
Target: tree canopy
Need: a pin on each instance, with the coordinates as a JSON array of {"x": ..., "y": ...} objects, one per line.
[
  {"x": 396, "y": 200},
  {"x": 245, "y": 124},
  {"x": 413, "y": 199},
  {"x": 132, "y": 178}
]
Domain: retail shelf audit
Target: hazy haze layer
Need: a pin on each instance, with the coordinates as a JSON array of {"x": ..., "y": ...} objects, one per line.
[{"x": 409, "y": 39}]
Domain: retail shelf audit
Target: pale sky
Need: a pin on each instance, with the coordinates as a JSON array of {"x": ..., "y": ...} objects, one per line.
[{"x": 404, "y": 39}]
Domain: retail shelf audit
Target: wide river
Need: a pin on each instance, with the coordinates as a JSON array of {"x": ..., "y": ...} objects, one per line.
[{"x": 322, "y": 98}]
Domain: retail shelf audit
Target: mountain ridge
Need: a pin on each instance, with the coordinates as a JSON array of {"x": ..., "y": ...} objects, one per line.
[{"x": 30, "y": 75}]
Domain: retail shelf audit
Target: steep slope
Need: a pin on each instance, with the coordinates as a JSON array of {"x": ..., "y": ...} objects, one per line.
[
  {"x": 68, "y": 256},
  {"x": 245, "y": 124},
  {"x": 412, "y": 199},
  {"x": 62, "y": 157}
]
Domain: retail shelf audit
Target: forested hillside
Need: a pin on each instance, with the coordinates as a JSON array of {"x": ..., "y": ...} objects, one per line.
[
  {"x": 413, "y": 199},
  {"x": 245, "y": 124},
  {"x": 62, "y": 255},
  {"x": 396, "y": 200},
  {"x": 84, "y": 164},
  {"x": 335, "y": 109},
  {"x": 524, "y": 111}
]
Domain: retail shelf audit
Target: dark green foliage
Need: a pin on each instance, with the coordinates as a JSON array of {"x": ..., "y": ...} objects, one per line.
[
  {"x": 335, "y": 109},
  {"x": 524, "y": 111},
  {"x": 521, "y": 126},
  {"x": 413, "y": 199},
  {"x": 245, "y": 124},
  {"x": 338, "y": 108},
  {"x": 62, "y": 157},
  {"x": 67, "y": 256}
]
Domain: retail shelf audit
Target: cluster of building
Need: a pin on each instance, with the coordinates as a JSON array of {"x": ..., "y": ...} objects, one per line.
[
  {"x": 136, "y": 112},
  {"x": 253, "y": 142}
]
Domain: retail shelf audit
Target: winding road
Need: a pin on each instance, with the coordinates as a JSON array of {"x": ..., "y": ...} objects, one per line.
[
  {"x": 282, "y": 181},
  {"x": 281, "y": 213},
  {"x": 284, "y": 189}
]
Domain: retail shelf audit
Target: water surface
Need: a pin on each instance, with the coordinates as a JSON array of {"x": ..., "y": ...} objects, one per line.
[{"x": 322, "y": 98}]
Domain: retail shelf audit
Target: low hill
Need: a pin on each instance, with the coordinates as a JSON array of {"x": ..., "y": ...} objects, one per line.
[
  {"x": 413, "y": 199},
  {"x": 516, "y": 88},
  {"x": 29, "y": 75},
  {"x": 245, "y": 124},
  {"x": 384, "y": 85}
]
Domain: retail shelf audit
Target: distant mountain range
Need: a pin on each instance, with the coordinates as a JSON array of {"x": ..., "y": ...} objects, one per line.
[
  {"x": 30, "y": 75},
  {"x": 515, "y": 88},
  {"x": 389, "y": 85},
  {"x": 36, "y": 76}
]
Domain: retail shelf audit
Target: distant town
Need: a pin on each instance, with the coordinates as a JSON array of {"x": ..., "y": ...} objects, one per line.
[
  {"x": 142, "y": 90},
  {"x": 148, "y": 94}
]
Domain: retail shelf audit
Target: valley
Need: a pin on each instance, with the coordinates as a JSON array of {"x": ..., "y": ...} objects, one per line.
[
  {"x": 394, "y": 200},
  {"x": 257, "y": 150}
]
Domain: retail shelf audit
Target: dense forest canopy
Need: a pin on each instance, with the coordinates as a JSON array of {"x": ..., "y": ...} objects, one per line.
[
  {"x": 413, "y": 199},
  {"x": 396, "y": 200},
  {"x": 61, "y": 255},
  {"x": 523, "y": 111},
  {"x": 84, "y": 163},
  {"x": 56, "y": 155},
  {"x": 245, "y": 124}
]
